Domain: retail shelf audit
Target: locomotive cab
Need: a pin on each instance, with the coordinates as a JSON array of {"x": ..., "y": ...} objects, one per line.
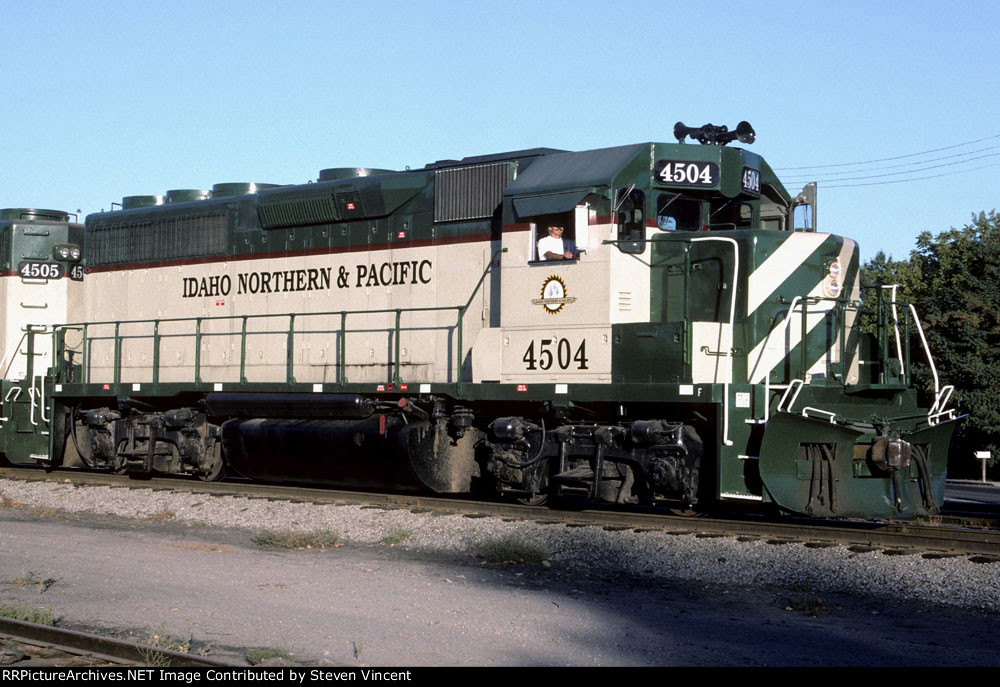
[{"x": 40, "y": 286}]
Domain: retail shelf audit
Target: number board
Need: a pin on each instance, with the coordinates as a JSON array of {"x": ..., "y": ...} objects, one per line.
[
  {"x": 751, "y": 180},
  {"x": 686, "y": 173},
  {"x": 29, "y": 269},
  {"x": 76, "y": 272}
]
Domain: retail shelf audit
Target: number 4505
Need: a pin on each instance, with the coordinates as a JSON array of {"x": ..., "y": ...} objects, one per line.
[{"x": 556, "y": 352}]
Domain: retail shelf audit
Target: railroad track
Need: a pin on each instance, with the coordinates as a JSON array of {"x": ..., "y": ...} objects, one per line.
[
  {"x": 977, "y": 536},
  {"x": 24, "y": 645}
]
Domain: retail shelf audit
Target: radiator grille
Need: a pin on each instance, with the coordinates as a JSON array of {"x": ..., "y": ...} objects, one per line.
[
  {"x": 153, "y": 240},
  {"x": 469, "y": 192}
]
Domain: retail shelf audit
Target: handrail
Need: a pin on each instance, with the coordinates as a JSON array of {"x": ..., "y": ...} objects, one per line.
[
  {"x": 799, "y": 307},
  {"x": 831, "y": 415},
  {"x": 927, "y": 349},
  {"x": 795, "y": 382},
  {"x": 942, "y": 398},
  {"x": 895, "y": 326}
]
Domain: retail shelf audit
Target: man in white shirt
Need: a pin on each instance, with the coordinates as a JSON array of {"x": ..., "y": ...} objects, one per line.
[{"x": 552, "y": 247}]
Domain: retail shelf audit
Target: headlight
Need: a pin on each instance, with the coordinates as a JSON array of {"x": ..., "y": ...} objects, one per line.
[
  {"x": 834, "y": 269},
  {"x": 66, "y": 251}
]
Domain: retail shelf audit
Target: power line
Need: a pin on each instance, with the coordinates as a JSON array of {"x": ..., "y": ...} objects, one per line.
[
  {"x": 889, "y": 159},
  {"x": 908, "y": 164},
  {"x": 900, "y": 181},
  {"x": 912, "y": 171}
]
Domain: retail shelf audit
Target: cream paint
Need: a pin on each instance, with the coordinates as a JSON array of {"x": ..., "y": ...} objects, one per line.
[
  {"x": 767, "y": 354},
  {"x": 427, "y": 350},
  {"x": 780, "y": 265},
  {"x": 574, "y": 354},
  {"x": 36, "y": 302},
  {"x": 832, "y": 355},
  {"x": 604, "y": 287},
  {"x": 711, "y": 357},
  {"x": 776, "y": 345}
]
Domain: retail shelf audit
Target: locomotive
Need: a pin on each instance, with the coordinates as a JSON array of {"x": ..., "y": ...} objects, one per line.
[{"x": 693, "y": 339}]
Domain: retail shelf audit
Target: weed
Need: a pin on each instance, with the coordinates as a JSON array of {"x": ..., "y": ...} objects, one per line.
[
  {"x": 7, "y": 502},
  {"x": 45, "y": 511},
  {"x": 39, "y": 616},
  {"x": 397, "y": 536},
  {"x": 510, "y": 549},
  {"x": 806, "y": 603},
  {"x": 150, "y": 657},
  {"x": 161, "y": 515},
  {"x": 257, "y": 656},
  {"x": 284, "y": 539},
  {"x": 161, "y": 639},
  {"x": 31, "y": 579}
]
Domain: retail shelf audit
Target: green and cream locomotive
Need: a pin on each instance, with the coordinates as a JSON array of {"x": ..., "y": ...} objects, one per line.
[{"x": 657, "y": 323}]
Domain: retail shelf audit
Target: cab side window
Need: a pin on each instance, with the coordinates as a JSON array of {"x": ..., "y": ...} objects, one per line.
[
  {"x": 674, "y": 212},
  {"x": 730, "y": 214},
  {"x": 630, "y": 215}
]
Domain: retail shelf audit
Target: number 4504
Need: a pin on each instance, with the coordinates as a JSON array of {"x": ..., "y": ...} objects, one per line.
[{"x": 556, "y": 352}]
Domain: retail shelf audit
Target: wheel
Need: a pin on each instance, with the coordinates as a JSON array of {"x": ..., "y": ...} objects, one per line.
[
  {"x": 217, "y": 469},
  {"x": 534, "y": 500}
]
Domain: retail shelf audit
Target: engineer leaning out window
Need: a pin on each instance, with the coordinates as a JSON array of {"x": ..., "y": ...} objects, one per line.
[{"x": 554, "y": 247}]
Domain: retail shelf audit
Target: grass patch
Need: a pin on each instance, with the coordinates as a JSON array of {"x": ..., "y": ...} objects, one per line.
[
  {"x": 510, "y": 549},
  {"x": 257, "y": 656},
  {"x": 33, "y": 579},
  {"x": 7, "y": 502},
  {"x": 161, "y": 515},
  {"x": 397, "y": 536},
  {"x": 283, "y": 539},
  {"x": 805, "y": 601},
  {"x": 163, "y": 640},
  {"x": 29, "y": 614},
  {"x": 45, "y": 511}
]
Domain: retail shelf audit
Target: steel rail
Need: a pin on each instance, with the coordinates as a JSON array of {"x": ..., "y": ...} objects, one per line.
[{"x": 106, "y": 649}]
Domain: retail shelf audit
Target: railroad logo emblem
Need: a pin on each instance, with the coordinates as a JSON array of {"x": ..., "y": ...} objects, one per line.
[{"x": 554, "y": 297}]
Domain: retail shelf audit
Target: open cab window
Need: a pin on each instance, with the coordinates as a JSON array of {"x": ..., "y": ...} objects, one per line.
[{"x": 560, "y": 236}]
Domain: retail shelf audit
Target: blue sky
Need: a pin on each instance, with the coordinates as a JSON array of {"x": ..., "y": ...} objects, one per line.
[{"x": 107, "y": 99}]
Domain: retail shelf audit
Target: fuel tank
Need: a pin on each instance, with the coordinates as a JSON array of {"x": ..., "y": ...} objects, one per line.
[{"x": 382, "y": 450}]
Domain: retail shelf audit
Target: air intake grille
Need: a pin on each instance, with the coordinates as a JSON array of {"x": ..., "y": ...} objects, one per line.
[
  {"x": 291, "y": 212},
  {"x": 162, "y": 239},
  {"x": 469, "y": 192}
]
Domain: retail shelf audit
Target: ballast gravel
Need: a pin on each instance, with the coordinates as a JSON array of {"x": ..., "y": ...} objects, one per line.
[{"x": 956, "y": 581}]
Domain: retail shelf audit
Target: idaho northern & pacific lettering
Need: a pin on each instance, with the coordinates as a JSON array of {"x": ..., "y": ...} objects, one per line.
[{"x": 312, "y": 279}]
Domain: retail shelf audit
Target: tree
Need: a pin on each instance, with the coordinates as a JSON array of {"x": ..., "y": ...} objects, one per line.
[{"x": 954, "y": 281}]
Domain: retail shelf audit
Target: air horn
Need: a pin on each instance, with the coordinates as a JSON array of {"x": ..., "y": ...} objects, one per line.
[{"x": 710, "y": 134}]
